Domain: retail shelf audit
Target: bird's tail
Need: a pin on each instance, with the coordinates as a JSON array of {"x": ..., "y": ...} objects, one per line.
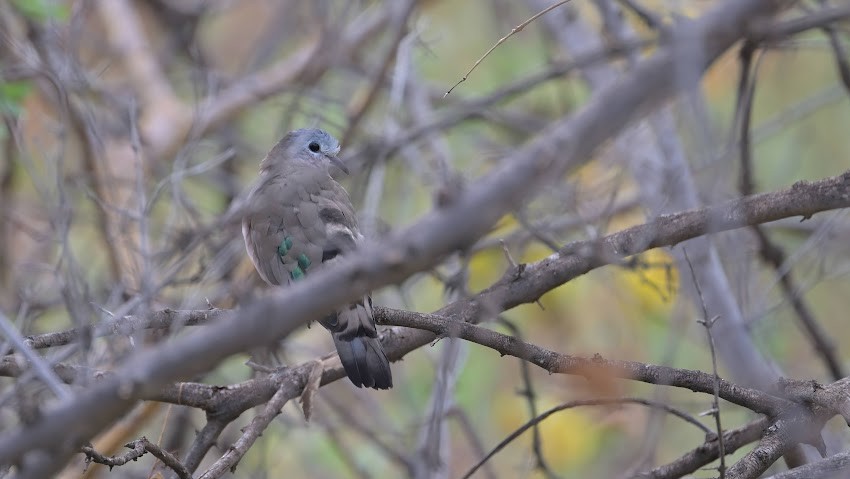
[{"x": 364, "y": 361}]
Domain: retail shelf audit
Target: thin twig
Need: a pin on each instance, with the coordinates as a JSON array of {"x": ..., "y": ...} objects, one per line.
[
  {"x": 715, "y": 403},
  {"x": 769, "y": 251},
  {"x": 514, "y": 31},
  {"x": 137, "y": 449},
  {"x": 528, "y": 393},
  {"x": 474, "y": 441},
  {"x": 558, "y": 363},
  {"x": 585, "y": 402},
  {"x": 357, "y": 426},
  {"x": 41, "y": 368},
  {"x": 250, "y": 433}
]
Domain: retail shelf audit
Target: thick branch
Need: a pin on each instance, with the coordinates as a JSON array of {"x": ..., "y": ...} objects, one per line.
[
  {"x": 594, "y": 367},
  {"x": 803, "y": 199},
  {"x": 829, "y": 468},
  {"x": 705, "y": 453}
]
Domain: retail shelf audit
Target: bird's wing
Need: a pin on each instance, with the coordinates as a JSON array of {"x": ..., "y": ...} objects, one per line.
[
  {"x": 342, "y": 237},
  {"x": 338, "y": 219},
  {"x": 283, "y": 232},
  {"x": 298, "y": 225}
]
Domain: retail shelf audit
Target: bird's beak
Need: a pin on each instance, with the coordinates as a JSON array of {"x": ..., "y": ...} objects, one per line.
[{"x": 338, "y": 162}]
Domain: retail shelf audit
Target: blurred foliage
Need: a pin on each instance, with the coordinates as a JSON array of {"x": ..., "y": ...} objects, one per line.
[
  {"x": 42, "y": 10},
  {"x": 12, "y": 95}
]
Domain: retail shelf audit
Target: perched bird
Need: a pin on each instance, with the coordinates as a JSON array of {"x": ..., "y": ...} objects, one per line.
[{"x": 298, "y": 220}]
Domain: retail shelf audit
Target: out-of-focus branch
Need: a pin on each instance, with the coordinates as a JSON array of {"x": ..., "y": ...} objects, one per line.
[
  {"x": 7, "y": 198},
  {"x": 585, "y": 402},
  {"x": 126, "y": 325},
  {"x": 401, "y": 14},
  {"x": 160, "y": 106},
  {"x": 830, "y": 468},
  {"x": 766, "y": 31},
  {"x": 305, "y": 65},
  {"x": 769, "y": 251},
  {"x": 166, "y": 122},
  {"x": 137, "y": 449},
  {"x": 41, "y": 368},
  {"x": 237, "y": 450}
]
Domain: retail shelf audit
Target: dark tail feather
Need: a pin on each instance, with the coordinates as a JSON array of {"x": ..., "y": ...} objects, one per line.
[{"x": 365, "y": 362}]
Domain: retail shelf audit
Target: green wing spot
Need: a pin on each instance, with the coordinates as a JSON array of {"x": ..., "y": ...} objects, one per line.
[
  {"x": 285, "y": 246},
  {"x": 304, "y": 262},
  {"x": 296, "y": 274}
]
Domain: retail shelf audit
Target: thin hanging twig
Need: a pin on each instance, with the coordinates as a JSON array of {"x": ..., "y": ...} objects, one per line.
[{"x": 515, "y": 30}]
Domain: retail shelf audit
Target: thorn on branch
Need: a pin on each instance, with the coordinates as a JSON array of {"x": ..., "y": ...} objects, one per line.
[
  {"x": 508, "y": 255},
  {"x": 311, "y": 388}
]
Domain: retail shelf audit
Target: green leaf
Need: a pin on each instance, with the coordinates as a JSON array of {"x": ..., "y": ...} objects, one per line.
[
  {"x": 12, "y": 94},
  {"x": 42, "y": 10}
]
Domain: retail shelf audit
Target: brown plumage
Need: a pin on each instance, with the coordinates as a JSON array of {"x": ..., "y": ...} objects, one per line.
[{"x": 299, "y": 220}]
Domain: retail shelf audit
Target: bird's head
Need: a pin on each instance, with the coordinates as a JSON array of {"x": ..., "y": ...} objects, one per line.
[{"x": 306, "y": 147}]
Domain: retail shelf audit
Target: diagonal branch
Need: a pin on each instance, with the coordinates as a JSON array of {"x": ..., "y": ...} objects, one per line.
[
  {"x": 705, "y": 453},
  {"x": 803, "y": 199}
]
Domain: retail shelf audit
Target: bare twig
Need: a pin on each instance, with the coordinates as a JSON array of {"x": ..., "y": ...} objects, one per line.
[
  {"x": 137, "y": 449},
  {"x": 528, "y": 393},
  {"x": 715, "y": 403},
  {"x": 557, "y": 363},
  {"x": 41, "y": 368},
  {"x": 250, "y": 433},
  {"x": 769, "y": 251},
  {"x": 466, "y": 425},
  {"x": 127, "y": 37},
  {"x": 513, "y": 32},
  {"x": 585, "y": 402},
  {"x": 357, "y": 426}
]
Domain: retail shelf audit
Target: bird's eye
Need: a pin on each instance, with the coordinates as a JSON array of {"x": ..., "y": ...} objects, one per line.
[{"x": 314, "y": 147}]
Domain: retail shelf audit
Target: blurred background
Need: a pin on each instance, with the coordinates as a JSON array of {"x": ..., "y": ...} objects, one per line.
[{"x": 129, "y": 125}]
